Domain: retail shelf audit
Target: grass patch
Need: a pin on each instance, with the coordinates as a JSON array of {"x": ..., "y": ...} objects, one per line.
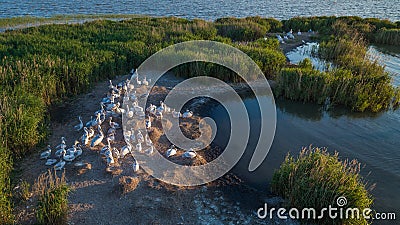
[
  {"x": 316, "y": 179},
  {"x": 52, "y": 192}
]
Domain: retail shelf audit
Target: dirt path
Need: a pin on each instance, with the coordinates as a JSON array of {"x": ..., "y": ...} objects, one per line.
[{"x": 97, "y": 198}]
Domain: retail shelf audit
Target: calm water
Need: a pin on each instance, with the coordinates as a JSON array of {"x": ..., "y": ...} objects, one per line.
[
  {"x": 205, "y": 9},
  {"x": 373, "y": 139}
]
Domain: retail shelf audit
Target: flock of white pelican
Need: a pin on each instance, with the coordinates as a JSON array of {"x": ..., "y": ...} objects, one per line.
[{"x": 110, "y": 109}]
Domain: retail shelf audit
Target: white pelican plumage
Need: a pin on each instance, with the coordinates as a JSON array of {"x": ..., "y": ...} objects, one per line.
[
  {"x": 85, "y": 136},
  {"x": 135, "y": 165},
  {"x": 90, "y": 122},
  {"x": 187, "y": 114},
  {"x": 139, "y": 147},
  {"x": 129, "y": 113},
  {"x": 91, "y": 132},
  {"x": 99, "y": 137},
  {"x": 62, "y": 145},
  {"x": 50, "y": 162},
  {"x": 140, "y": 137},
  {"x": 176, "y": 114},
  {"x": 148, "y": 122},
  {"x": 125, "y": 150},
  {"x": 59, "y": 165},
  {"x": 78, "y": 151},
  {"x": 171, "y": 151},
  {"x": 189, "y": 154},
  {"x": 150, "y": 150},
  {"x": 46, "y": 154},
  {"x": 145, "y": 82},
  {"x": 132, "y": 137},
  {"x": 114, "y": 125},
  {"x": 105, "y": 148},
  {"x": 79, "y": 126}
]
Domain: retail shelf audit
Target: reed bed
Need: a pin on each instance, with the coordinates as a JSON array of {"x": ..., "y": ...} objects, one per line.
[
  {"x": 52, "y": 192},
  {"x": 388, "y": 36},
  {"x": 315, "y": 179}
]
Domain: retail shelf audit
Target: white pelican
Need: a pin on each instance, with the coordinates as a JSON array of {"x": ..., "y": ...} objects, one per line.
[
  {"x": 90, "y": 122},
  {"x": 114, "y": 125},
  {"x": 46, "y": 154},
  {"x": 79, "y": 126},
  {"x": 73, "y": 148},
  {"x": 125, "y": 150},
  {"x": 166, "y": 108},
  {"x": 129, "y": 113},
  {"x": 127, "y": 135},
  {"x": 99, "y": 137},
  {"x": 139, "y": 147},
  {"x": 105, "y": 148},
  {"x": 140, "y": 137},
  {"x": 69, "y": 157},
  {"x": 132, "y": 137},
  {"x": 59, "y": 165},
  {"x": 138, "y": 82},
  {"x": 85, "y": 136},
  {"x": 115, "y": 153},
  {"x": 133, "y": 96},
  {"x": 62, "y": 145},
  {"x": 91, "y": 132},
  {"x": 145, "y": 82},
  {"x": 148, "y": 140},
  {"x": 189, "y": 154},
  {"x": 176, "y": 114},
  {"x": 159, "y": 115},
  {"x": 148, "y": 122},
  {"x": 187, "y": 114},
  {"x": 110, "y": 160},
  {"x": 78, "y": 151},
  {"x": 151, "y": 109},
  {"x": 111, "y": 86},
  {"x": 171, "y": 151},
  {"x": 60, "y": 152},
  {"x": 161, "y": 107},
  {"x": 50, "y": 162},
  {"x": 150, "y": 150},
  {"x": 111, "y": 136},
  {"x": 130, "y": 86},
  {"x": 135, "y": 165},
  {"x": 136, "y": 107}
]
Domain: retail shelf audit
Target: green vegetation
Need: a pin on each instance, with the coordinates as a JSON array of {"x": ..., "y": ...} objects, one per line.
[
  {"x": 52, "y": 194},
  {"x": 356, "y": 81},
  {"x": 388, "y": 36},
  {"x": 43, "y": 65},
  {"x": 26, "y": 21},
  {"x": 315, "y": 179}
]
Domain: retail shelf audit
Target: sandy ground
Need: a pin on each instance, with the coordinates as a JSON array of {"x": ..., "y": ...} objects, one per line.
[{"x": 97, "y": 198}]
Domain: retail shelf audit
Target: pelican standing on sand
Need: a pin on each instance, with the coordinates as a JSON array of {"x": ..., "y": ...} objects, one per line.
[
  {"x": 99, "y": 137},
  {"x": 189, "y": 154},
  {"x": 135, "y": 165},
  {"x": 187, "y": 114},
  {"x": 46, "y": 154},
  {"x": 171, "y": 151},
  {"x": 79, "y": 126}
]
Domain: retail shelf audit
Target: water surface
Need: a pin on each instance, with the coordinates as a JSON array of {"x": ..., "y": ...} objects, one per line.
[{"x": 205, "y": 9}]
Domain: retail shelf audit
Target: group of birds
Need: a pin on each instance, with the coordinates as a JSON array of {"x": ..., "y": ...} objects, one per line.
[
  {"x": 61, "y": 154},
  {"x": 110, "y": 108},
  {"x": 289, "y": 35}
]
